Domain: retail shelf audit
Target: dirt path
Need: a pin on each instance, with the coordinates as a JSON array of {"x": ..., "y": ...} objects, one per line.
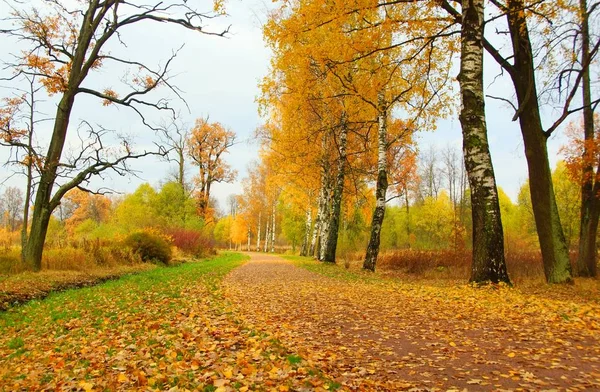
[{"x": 402, "y": 336}]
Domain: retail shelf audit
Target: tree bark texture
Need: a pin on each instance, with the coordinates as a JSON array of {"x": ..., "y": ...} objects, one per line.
[
  {"x": 330, "y": 245},
  {"x": 307, "y": 227},
  {"x": 590, "y": 188},
  {"x": 555, "y": 255},
  {"x": 267, "y": 234},
  {"x": 258, "y": 234},
  {"x": 273, "y": 234},
  {"x": 488, "y": 263},
  {"x": 380, "y": 189}
]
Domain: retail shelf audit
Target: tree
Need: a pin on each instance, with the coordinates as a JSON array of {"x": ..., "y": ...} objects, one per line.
[
  {"x": 582, "y": 157},
  {"x": 66, "y": 46},
  {"x": 590, "y": 186},
  {"x": 12, "y": 207},
  {"x": 175, "y": 137},
  {"x": 488, "y": 264},
  {"x": 93, "y": 207},
  {"x": 207, "y": 144},
  {"x": 520, "y": 65}
]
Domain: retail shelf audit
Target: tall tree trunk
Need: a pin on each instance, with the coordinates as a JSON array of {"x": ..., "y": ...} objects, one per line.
[
  {"x": 42, "y": 208},
  {"x": 488, "y": 263},
  {"x": 407, "y": 205},
  {"x": 273, "y": 233},
  {"x": 258, "y": 234},
  {"x": 326, "y": 214},
  {"x": 380, "y": 188},
  {"x": 557, "y": 267},
  {"x": 267, "y": 234},
  {"x": 248, "y": 247},
  {"x": 330, "y": 245},
  {"x": 307, "y": 227},
  {"x": 316, "y": 235},
  {"x": 590, "y": 198},
  {"x": 29, "y": 166}
]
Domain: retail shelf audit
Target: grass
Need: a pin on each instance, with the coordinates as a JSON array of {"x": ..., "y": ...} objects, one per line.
[
  {"x": 25, "y": 286},
  {"x": 157, "y": 282}
]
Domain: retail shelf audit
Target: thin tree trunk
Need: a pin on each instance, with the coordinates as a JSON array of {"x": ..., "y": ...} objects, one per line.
[
  {"x": 248, "y": 247},
  {"x": 316, "y": 235},
  {"x": 380, "y": 189},
  {"x": 273, "y": 234},
  {"x": 488, "y": 263},
  {"x": 267, "y": 234},
  {"x": 258, "y": 234},
  {"x": 590, "y": 203},
  {"x": 407, "y": 218},
  {"x": 307, "y": 227},
  {"x": 29, "y": 166},
  {"x": 555, "y": 255},
  {"x": 330, "y": 245}
]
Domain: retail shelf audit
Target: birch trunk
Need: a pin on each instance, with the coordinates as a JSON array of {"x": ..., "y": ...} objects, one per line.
[
  {"x": 488, "y": 263},
  {"x": 555, "y": 254},
  {"x": 380, "y": 189},
  {"x": 273, "y": 234},
  {"x": 324, "y": 233},
  {"x": 248, "y": 247},
  {"x": 267, "y": 233},
  {"x": 316, "y": 233},
  {"x": 590, "y": 202},
  {"x": 330, "y": 245},
  {"x": 307, "y": 227},
  {"x": 258, "y": 234}
]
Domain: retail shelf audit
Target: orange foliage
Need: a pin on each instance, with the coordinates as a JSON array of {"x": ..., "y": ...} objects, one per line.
[
  {"x": 207, "y": 144},
  {"x": 89, "y": 206},
  {"x": 580, "y": 152}
]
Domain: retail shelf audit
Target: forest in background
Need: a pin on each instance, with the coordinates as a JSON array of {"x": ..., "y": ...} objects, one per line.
[{"x": 339, "y": 176}]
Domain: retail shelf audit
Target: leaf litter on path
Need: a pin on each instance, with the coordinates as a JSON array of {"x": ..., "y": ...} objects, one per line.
[
  {"x": 400, "y": 336},
  {"x": 169, "y": 329}
]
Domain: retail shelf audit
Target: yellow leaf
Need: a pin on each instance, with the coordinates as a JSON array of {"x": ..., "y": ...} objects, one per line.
[
  {"x": 511, "y": 355},
  {"x": 122, "y": 377},
  {"x": 452, "y": 344},
  {"x": 228, "y": 373}
]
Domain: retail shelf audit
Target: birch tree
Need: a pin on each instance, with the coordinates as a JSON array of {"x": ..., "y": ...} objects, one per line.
[{"x": 488, "y": 239}]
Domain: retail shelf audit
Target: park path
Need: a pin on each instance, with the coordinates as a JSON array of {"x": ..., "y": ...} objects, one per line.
[{"x": 381, "y": 335}]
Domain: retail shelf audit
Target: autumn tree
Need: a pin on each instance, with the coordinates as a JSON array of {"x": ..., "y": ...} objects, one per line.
[
  {"x": 536, "y": 29},
  {"x": 590, "y": 188},
  {"x": 582, "y": 157},
  {"x": 88, "y": 206},
  {"x": 207, "y": 145},
  {"x": 65, "y": 45},
  {"x": 488, "y": 238}
]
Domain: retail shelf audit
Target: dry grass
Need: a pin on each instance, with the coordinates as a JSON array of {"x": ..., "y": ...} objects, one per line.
[
  {"x": 447, "y": 268},
  {"x": 19, "y": 288}
]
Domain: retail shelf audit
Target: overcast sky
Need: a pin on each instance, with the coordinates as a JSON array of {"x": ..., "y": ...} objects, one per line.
[{"x": 219, "y": 78}]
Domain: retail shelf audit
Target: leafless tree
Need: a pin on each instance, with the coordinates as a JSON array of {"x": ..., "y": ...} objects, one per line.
[{"x": 64, "y": 45}]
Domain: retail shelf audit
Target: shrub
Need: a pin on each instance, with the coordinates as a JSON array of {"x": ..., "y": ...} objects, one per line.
[
  {"x": 149, "y": 247},
  {"x": 192, "y": 242}
]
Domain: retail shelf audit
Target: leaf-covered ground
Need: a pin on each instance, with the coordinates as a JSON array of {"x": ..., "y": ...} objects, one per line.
[
  {"x": 270, "y": 325},
  {"x": 165, "y": 329},
  {"x": 372, "y": 334},
  {"x": 25, "y": 286}
]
